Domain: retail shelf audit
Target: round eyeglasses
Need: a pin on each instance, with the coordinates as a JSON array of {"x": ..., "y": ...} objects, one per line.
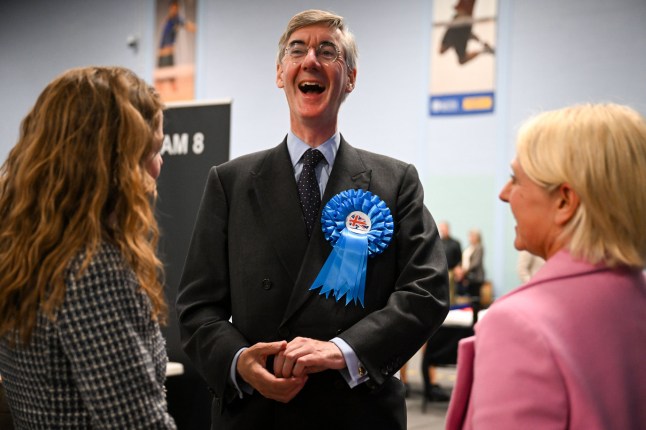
[{"x": 326, "y": 52}]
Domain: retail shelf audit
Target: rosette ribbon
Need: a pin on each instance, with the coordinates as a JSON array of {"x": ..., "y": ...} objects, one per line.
[{"x": 357, "y": 224}]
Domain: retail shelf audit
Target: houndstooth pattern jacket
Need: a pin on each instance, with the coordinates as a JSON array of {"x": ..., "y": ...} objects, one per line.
[{"x": 100, "y": 364}]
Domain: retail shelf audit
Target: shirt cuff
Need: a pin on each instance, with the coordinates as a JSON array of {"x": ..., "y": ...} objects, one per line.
[
  {"x": 354, "y": 372},
  {"x": 241, "y": 387}
]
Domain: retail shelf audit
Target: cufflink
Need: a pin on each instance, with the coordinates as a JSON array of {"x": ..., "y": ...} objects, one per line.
[{"x": 362, "y": 371}]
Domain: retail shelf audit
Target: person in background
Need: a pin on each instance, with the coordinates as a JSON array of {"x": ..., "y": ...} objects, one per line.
[
  {"x": 433, "y": 391},
  {"x": 566, "y": 349},
  {"x": 453, "y": 252},
  {"x": 528, "y": 265},
  {"x": 80, "y": 289},
  {"x": 470, "y": 275},
  {"x": 452, "y": 247},
  {"x": 276, "y": 351}
]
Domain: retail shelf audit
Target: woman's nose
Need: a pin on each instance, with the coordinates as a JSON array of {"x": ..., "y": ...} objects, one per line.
[{"x": 504, "y": 193}]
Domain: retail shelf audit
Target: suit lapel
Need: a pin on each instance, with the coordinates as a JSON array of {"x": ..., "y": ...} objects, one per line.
[
  {"x": 348, "y": 172},
  {"x": 275, "y": 189}
]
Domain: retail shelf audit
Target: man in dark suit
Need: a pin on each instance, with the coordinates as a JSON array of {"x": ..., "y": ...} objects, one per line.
[
  {"x": 276, "y": 354},
  {"x": 452, "y": 247}
]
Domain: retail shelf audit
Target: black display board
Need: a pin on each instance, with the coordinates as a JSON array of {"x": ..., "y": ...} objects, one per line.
[{"x": 196, "y": 138}]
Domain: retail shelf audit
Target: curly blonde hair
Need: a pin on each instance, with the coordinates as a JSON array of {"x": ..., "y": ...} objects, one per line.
[{"x": 77, "y": 177}]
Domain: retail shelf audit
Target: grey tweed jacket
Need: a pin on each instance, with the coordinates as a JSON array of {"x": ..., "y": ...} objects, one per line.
[{"x": 100, "y": 364}]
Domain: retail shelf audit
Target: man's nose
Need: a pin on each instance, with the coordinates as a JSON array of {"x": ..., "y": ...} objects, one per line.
[{"x": 311, "y": 60}]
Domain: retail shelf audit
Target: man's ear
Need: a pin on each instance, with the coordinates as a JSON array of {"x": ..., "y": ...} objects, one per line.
[
  {"x": 567, "y": 204},
  {"x": 279, "y": 76},
  {"x": 352, "y": 78}
]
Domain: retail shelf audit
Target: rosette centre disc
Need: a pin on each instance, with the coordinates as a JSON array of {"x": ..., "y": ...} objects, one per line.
[{"x": 358, "y": 222}]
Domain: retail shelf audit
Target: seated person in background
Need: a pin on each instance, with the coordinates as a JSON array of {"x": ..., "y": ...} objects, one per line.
[
  {"x": 83, "y": 348},
  {"x": 567, "y": 349}
]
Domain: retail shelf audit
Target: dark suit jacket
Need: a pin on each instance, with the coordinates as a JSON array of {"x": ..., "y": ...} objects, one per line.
[
  {"x": 453, "y": 252},
  {"x": 250, "y": 260}
]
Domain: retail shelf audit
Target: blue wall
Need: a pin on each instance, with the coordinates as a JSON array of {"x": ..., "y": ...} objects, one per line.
[{"x": 550, "y": 53}]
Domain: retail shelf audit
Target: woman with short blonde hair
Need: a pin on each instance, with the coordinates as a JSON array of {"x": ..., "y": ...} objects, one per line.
[
  {"x": 599, "y": 151},
  {"x": 567, "y": 348}
]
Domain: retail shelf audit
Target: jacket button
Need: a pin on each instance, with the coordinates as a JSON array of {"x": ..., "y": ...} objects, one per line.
[{"x": 266, "y": 284}]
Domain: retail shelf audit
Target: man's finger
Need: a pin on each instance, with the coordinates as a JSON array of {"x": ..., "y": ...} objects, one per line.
[
  {"x": 269, "y": 348},
  {"x": 288, "y": 364},
  {"x": 279, "y": 359}
]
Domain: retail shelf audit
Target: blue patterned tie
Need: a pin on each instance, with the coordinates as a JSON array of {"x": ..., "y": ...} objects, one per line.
[{"x": 308, "y": 188}]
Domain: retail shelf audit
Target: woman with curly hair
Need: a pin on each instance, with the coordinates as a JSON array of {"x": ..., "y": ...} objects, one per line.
[{"x": 81, "y": 296}]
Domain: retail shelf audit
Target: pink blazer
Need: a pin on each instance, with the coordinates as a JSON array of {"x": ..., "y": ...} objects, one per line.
[{"x": 567, "y": 350}]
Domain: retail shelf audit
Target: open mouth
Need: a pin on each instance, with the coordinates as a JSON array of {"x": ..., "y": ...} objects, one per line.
[{"x": 311, "y": 87}]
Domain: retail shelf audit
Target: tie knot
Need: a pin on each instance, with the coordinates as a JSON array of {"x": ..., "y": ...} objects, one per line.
[{"x": 312, "y": 157}]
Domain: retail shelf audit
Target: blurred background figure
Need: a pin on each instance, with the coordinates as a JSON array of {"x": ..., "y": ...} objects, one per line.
[
  {"x": 470, "y": 275},
  {"x": 80, "y": 289},
  {"x": 528, "y": 265},
  {"x": 566, "y": 349},
  {"x": 433, "y": 391},
  {"x": 453, "y": 252}
]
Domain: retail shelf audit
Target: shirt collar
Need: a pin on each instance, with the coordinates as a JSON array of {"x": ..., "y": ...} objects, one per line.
[{"x": 297, "y": 148}]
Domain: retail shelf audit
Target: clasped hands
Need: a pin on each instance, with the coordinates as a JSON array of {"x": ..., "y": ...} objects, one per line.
[{"x": 293, "y": 362}]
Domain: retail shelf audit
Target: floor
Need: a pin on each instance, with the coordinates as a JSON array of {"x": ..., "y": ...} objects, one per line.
[{"x": 433, "y": 417}]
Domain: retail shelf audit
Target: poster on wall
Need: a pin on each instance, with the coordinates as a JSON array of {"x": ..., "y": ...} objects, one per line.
[
  {"x": 463, "y": 57},
  {"x": 174, "y": 75}
]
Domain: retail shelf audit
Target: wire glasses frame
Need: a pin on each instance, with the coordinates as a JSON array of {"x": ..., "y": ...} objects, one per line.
[{"x": 326, "y": 52}]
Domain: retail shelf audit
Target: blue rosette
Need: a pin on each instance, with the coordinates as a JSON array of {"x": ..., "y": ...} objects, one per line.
[{"x": 357, "y": 224}]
